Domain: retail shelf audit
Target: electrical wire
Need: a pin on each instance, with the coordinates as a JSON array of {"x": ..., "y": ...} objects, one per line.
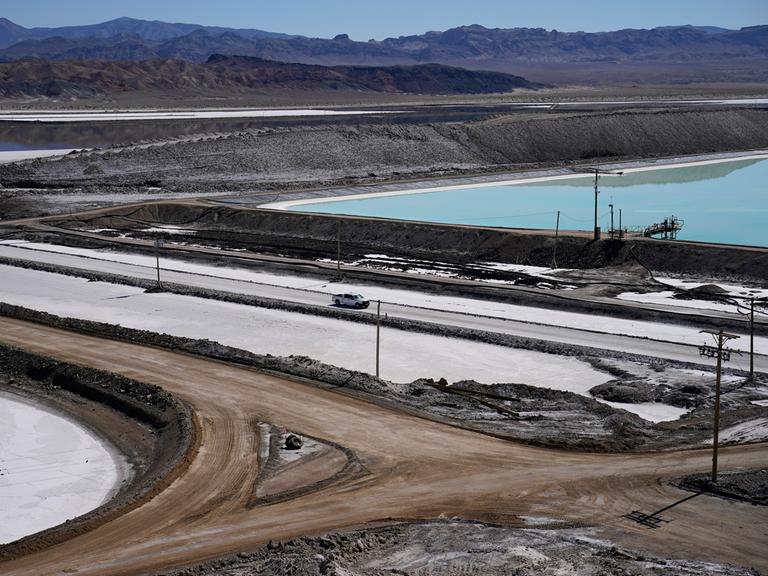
[{"x": 484, "y": 218}]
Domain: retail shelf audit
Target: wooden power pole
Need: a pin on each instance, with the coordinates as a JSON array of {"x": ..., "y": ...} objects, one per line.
[
  {"x": 752, "y": 339},
  {"x": 158, "y": 244},
  {"x": 621, "y": 230},
  {"x": 557, "y": 234},
  {"x": 338, "y": 251},
  {"x": 742, "y": 309},
  {"x": 611, "y": 207},
  {"x": 721, "y": 354},
  {"x": 378, "y": 335},
  {"x": 597, "y": 192}
]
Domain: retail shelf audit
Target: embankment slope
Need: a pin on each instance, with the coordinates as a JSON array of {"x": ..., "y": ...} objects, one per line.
[
  {"x": 305, "y": 157},
  {"x": 315, "y": 236}
]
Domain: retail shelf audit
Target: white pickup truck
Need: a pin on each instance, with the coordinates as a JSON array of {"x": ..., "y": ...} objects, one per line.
[{"x": 350, "y": 300}]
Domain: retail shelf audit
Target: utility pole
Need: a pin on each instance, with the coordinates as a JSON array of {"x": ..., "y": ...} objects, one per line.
[
  {"x": 597, "y": 228},
  {"x": 557, "y": 234},
  {"x": 752, "y": 339},
  {"x": 338, "y": 251},
  {"x": 611, "y": 206},
  {"x": 621, "y": 230},
  {"x": 598, "y": 172},
  {"x": 378, "y": 335},
  {"x": 158, "y": 244},
  {"x": 750, "y": 313},
  {"x": 717, "y": 352}
]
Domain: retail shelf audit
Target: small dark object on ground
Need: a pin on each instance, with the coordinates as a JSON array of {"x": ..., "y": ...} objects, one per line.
[{"x": 293, "y": 442}]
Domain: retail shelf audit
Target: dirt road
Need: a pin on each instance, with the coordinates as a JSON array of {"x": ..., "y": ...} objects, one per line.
[{"x": 416, "y": 469}]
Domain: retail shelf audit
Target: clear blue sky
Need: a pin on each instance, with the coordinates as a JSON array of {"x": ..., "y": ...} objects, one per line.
[{"x": 364, "y": 19}]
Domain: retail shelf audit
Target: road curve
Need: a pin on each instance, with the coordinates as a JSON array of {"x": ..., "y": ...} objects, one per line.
[{"x": 416, "y": 469}]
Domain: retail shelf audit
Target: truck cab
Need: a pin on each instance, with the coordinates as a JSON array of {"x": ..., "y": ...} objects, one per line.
[{"x": 350, "y": 300}]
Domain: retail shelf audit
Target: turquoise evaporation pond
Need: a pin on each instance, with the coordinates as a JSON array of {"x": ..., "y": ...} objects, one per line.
[{"x": 725, "y": 202}]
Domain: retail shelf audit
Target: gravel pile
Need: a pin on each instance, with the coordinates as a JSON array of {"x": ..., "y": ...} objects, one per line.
[{"x": 451, "y": 549}]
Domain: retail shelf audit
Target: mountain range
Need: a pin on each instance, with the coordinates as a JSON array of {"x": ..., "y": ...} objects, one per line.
[
  {"x": 153, "y": 31},
  {"x": 671, "y": 53},
  {"x": 116, "y": 38}
]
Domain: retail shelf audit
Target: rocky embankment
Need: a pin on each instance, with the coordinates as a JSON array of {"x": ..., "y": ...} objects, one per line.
[
  {"x": 743, "y": 485},
  {"x": 311, "y": 236},
  {"x": 311, "y": 156},
  {"x": 452, "y": 548}
]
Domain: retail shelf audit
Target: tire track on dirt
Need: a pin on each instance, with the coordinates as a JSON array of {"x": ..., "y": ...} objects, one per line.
[{"x": 418, "y": 469}]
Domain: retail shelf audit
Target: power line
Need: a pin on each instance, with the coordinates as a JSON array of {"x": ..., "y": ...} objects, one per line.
[
  {"x": 599, "y": 172},
  {"x": 741, "y": 308},
  {"x": 504, "y": 217}
]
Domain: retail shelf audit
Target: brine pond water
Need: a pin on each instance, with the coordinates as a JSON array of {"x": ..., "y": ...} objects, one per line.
[{"x": 723, "y": 202}]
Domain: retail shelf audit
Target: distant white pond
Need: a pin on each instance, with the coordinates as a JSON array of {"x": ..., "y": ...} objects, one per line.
[
  {"x": 51, "y": 469},
  {"x": 180, "y": 115}
]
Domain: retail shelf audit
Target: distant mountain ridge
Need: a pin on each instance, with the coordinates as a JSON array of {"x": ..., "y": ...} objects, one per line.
[
  {"x": 89, "y": 78},
  {"x": 722, "y": 54},
  {"x": 197, "y": 43},
  {"x": 707, "y": 29},
  {"x": 154, "y": 31}
]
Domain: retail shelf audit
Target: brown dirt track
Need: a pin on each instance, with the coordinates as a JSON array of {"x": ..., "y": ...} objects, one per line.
[{"x": 417, "y": 469}]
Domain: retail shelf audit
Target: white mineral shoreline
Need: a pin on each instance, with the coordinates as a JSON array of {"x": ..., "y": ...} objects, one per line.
[
  {"x": 179, "y": 115},
  {"x": 53, "y": 467},
  {"x": 645, "y": 166},
  {"x": 8, "y": 156}
]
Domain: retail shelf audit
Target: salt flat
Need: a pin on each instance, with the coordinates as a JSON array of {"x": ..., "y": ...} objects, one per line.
[
  {"x": 51, "y": 469},
  {"x": 210, "y": 276},
  {"x": 405, "y": 356}
]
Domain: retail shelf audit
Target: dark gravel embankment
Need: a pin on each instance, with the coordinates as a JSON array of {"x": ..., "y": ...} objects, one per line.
[
  {"x": 324, "y": 155},
  {"x": 746, "y": 485},
  {"x": 307, "y": 235},
  {"x": 452, "y": 548}
]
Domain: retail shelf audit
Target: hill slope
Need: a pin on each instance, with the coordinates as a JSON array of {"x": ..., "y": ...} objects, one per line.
[
  {"x": 86, "y": 78},
  {"x": 304, "y": 156}
]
